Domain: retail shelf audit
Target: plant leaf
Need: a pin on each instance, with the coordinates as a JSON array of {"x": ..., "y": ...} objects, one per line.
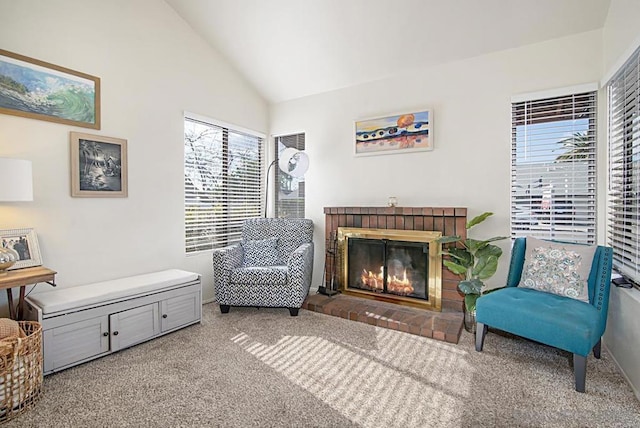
[
  {"x": 448, "y": 239},
  {"x": 485, "y": 267},
  {"x": 454, "y": 267},
  {"x": 462, "y": 256},
  {"x": 474, "y": 245},
  {"x": 472, "y": 286},
  {"x": 489, "y": 250},
  {"x": 496, "y": 238},
  {"x": 470, "y": 302},
  {"x": 478, "y": 219}
]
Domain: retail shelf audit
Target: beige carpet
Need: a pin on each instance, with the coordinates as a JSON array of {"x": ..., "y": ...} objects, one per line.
[{"x": 264, "y": 368}]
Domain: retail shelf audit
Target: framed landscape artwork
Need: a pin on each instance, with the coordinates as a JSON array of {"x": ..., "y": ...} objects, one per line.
[
  {"x": 39, "y": 90},
  {"x": 25, "y": 243},
  {"x": 400, "y": 133},
  {"x": 98, "y": 166}
]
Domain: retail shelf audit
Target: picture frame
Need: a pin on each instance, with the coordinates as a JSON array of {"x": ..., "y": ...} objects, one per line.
[
  {"x": 394, "y": 134},
  {"x": 98, "y": 166},
  {"x": 25, "y": 243},
  {"x": 40, "y": 90}
]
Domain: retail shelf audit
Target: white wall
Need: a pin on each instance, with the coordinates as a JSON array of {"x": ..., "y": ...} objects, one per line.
[
  {"x": 620, "y": 33},
  {"x": 621, "y": 37},
  {"x": 471, "y": 102},
  {"x": 152, "y": 68}
]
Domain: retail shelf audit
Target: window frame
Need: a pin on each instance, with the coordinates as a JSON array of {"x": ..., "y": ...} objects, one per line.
[
  {"x": 530, "y": 115},
  {"x": 623, "y": 144},
  {"x": 225, "y": 234}
]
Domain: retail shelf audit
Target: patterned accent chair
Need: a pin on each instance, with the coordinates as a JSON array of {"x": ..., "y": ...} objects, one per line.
[
  {"x": 534, "y": 306},
  {"x": 271, "y": 267}
]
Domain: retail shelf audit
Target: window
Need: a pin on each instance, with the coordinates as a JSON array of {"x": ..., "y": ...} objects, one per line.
[
  {"x": 222, "y": 182},
  {"x": 623, "y": 92},
  {"x": 553, "y": 167},
  {"x": 289, "y": 191}
]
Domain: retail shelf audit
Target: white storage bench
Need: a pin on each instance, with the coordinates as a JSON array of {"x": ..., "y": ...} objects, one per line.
[{"x": 86, "y": 322}]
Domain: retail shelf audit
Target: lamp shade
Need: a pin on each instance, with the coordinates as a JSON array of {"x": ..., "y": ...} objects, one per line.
[
  {"x": 294, "y": 162},
  {"x": 16, "y": 180}
]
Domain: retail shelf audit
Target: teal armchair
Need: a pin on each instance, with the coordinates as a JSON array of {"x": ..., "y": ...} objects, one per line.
[{"x": 562, "y": 322}]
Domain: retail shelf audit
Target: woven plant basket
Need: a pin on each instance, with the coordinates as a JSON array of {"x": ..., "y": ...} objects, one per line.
[{"x": 20, "y": 371}]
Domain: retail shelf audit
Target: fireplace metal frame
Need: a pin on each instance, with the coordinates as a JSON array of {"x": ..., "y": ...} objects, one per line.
[{"x": 434, "y": 285}]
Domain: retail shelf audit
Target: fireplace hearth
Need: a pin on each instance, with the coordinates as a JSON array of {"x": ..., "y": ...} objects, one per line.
[{"x": 397, "y": 266}]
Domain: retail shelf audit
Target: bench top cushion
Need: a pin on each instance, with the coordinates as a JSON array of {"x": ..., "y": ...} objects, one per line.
[{"x": 64, "y": 299}]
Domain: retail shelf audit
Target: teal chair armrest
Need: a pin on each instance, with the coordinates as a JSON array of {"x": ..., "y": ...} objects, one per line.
[
  {"x": 600, "y": 284},
  {"x": 517, "y": 262}
]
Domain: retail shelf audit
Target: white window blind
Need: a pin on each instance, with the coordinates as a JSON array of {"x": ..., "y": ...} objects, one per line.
[
  {"x": 223, "y": 173},
  {"x": 624, "y": 168},
  {"x": 553, "y": 168},
  {"x": 289, "y": 191}
]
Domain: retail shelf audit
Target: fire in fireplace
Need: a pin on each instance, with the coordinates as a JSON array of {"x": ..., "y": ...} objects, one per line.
[
  {"x": 402, "y": 266},
  {"x": 384, "y": 266}
]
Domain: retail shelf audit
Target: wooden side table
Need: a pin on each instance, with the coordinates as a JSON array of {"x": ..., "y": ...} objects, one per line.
[{"x": 21, "y": 278}]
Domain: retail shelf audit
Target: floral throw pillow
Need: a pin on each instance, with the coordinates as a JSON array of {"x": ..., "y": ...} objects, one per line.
[
  {"x": 558, "y": 268},
  {"x": 262, "y": 252}
]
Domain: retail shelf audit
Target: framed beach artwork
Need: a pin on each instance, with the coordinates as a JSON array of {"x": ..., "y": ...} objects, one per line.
[
  {"x": 400, "y": 133},
  {"x": 39, "y": 90},
  {"x": 98, "y": 166},
  {"x": 25, "y": 243}
]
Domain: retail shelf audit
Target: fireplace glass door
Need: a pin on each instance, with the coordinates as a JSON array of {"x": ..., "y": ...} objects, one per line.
[{"x": 388, "y": 266}]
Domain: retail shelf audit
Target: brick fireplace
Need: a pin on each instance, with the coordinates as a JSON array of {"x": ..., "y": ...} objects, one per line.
[{"x": 446, "y": 220}]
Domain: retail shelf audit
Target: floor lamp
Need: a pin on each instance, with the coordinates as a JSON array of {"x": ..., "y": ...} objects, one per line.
[{"x": 290, "y": 161}]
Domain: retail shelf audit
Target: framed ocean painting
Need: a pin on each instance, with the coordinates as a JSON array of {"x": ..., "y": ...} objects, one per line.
[
  {"x": 39, "y": 90},
  {"x": 400, "y": 133}
]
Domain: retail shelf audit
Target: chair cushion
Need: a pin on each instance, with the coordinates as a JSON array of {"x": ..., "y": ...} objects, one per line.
[
  {"x": 291, "y": 232},
  {"x": 261, "y": 252},
  {"x": 564, "y": 323},
  {"x": 558, "y": 268},
  {"x": 259, "y": 275}
]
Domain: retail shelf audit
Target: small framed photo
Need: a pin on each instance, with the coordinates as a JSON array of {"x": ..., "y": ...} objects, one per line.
[
  {"x": 98, "y": 166},
  {"x": 394, "y": 134},
  {"x": 25, "y": 243}
]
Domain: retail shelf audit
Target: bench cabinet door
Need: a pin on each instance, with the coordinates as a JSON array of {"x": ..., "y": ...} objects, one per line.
[
  {"x": 181, "y": 310},
  {"x": 134, "y": 326},
  {"x": 75, "y": 342}
]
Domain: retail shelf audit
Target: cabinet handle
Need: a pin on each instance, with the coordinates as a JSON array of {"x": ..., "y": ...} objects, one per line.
[
  {"x": 165, "y": 315},
  {"x": 106, "y": 333},
  {"x": 115, "y": 333}
]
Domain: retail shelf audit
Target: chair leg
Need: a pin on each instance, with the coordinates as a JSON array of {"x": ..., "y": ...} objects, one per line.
[
  {"x": 597, "y": 349},
  {"x": 224, "y": 309},
  {"x": 481, "y": 331},
  {"x": 579, "y": 371},
  {"x": 293, "y": 312}
]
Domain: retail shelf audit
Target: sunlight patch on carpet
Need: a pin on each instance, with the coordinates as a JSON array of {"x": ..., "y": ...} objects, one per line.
[{"x": 422, "y": 381}]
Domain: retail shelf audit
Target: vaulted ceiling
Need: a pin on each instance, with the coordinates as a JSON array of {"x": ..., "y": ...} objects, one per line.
[{"x": 293, "y": 48}]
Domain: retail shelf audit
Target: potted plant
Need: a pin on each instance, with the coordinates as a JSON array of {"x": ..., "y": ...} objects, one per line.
[{"x": 477, "y": 260}]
